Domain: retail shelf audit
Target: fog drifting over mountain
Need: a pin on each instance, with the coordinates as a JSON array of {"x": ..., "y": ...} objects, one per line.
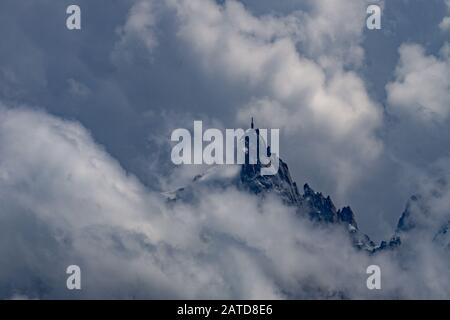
[
  {"x": 66, "y": 201},
  {"x": 86, "y": 117}
]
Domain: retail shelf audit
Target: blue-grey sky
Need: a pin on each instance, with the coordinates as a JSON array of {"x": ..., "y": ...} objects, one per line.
[
  {"x": 130, "y": 93},
  {"x": 127, "y": 93},
  {"x": 363, "y": 114}
]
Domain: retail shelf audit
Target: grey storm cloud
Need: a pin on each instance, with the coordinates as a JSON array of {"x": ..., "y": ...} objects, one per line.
[{"x": 363, "y": 116}]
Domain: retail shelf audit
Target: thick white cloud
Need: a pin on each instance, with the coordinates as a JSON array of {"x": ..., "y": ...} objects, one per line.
[
  {"x": 126, "y": 239},
  {"x": 421, "y": 89},
  {"x": 331, "y": 32},
  {"x": 66, "y": 201},
  {"x": 445, "y": 23},
  {"x": 310, "y": 96},
  {"x": 139, "y": 29}
]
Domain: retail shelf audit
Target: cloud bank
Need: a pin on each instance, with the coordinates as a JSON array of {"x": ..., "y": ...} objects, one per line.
[
  {"x": 316, "y": 102},
  {"x": 422, "y": 85},
  {"x": 66, "y": 201}
]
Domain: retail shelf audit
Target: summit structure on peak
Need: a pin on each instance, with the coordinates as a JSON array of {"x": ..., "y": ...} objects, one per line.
[{"x": 254, "y": 151}]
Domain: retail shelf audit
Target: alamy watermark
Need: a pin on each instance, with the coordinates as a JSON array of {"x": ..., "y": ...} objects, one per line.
[
  {"x": 240, "y": 147},
  {"x": 374, "y": 280},
  {"x": 373, "y": 21},
  {"x": 73, "y": 282},
  {"x": 73, "y": 21}
]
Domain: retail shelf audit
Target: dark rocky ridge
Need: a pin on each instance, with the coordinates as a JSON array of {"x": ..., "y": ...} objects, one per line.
[
  {"x": 314, "y": 205},
  {"x": 319, "y": 208}
]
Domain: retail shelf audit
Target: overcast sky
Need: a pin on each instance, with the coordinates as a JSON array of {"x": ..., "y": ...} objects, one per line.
[{"x": 364, "y": 115}]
